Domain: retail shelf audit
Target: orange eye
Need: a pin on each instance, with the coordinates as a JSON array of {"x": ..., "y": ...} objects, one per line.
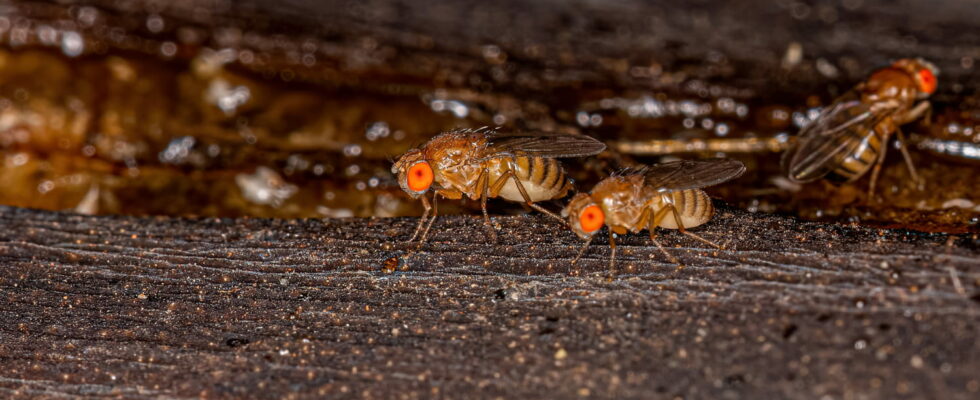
[
  {"x": 927, "y": 81},
  {"x": 591, "y": 218},
  {"x": 420, "y": 177}
]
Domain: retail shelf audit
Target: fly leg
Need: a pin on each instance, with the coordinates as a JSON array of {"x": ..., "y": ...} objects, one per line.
[
  {"x": 427, "y": 207},
  {"x": 908, "y": 159},
  {"x": 484, "y": 183},
  {"x": 497, "y": 186},
  {"x": 923, "y": 109},
  {"x": 582, "y": 251},
  {"x": 652, "y": 228},
  {"x": 680, "y": 227},
  {"x": 435, "y": 213},
  {"x": 877, "y": 168},
  {"x": 612, "y": 257}
]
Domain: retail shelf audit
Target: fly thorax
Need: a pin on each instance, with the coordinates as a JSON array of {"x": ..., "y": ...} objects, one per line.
[{"x": 620, "y": 209}]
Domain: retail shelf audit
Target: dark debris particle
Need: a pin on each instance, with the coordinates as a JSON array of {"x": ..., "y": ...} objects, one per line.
[
  {"x": 734, "y": 380},
  {"x": 789, "y": 331},
  {"x": 236, "y": 342}
]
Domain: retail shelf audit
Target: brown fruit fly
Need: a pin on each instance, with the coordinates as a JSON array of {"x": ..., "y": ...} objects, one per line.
[
  {"x": 667, "y": 195},
  {"x": 849, "y": 136},
  {"x": 483, "y": 163}
]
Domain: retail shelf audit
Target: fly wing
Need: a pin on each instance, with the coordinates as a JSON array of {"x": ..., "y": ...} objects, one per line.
[
  {"x": 836, "y": 133},
  {"x": 689, "y": 174},
  {"x": 543, "y": 144}
]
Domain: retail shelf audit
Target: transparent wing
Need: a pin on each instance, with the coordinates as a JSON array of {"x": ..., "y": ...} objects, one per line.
[
  {"x": 543, "y": 144},
  {"x": 689, "y": 174},
  {"x": 838, "y": 132}
]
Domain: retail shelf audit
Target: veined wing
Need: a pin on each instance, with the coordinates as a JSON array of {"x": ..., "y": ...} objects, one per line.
[
  {"x": 838, "y": 132},
  {"x": 691, "y": 174},
  {"x": 542, "y": 144}
]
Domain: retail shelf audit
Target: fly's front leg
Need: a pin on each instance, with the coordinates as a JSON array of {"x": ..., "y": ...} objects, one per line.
[
  {"x": 612, "y": 256},
  {"x": 427, "y": 207},
  {"x": 582, "y": 251},
  {"x": 435, "y": 213},
  {"x": 902, "y": 146},
  {"x": 680, "y": 227},
  {"x": 499, "y": 185},
  {"x": 923, "y": 109}
]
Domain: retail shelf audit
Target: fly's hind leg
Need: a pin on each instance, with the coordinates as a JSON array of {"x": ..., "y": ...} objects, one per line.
[
  {"x": 652, "y": 228},
  {"x": 680, "y": 227},
  {"x": 499, "y": 184},
  {"x": 876, "y": 170}
]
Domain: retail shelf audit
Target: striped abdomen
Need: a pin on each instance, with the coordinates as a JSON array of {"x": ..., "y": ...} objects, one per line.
[
  {"x": 854, "y": 164},
  {"x": 693, "y": 206},
  {"x": 542, "y": 178}
]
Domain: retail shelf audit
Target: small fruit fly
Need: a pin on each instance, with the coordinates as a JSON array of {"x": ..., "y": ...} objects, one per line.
[
  {"x": 847, "y": 137},
  {"x": 666, "y": 195},
  {"x": 483, "y": 163}
]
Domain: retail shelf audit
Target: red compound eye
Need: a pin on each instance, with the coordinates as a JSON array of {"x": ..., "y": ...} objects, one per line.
[
  {"x": 591, "y": 218},
  {"x": 420, "y": 177},
  {"x": 927, "y": 81}
]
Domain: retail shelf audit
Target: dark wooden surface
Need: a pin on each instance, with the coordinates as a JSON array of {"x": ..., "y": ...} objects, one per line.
[{"x": 175, "y": 308}]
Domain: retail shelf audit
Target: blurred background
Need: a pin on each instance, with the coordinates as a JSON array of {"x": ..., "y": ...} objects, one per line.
[{"x": 296, "y": 108}]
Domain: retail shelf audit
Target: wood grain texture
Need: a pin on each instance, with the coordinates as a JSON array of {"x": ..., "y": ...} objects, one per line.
[{"x": 177, "y": 308}]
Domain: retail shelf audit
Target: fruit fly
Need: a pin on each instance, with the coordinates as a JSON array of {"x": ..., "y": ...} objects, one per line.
[
  {"x": 482, "y": 163},
  {"x": 667, "y": 195},
  {"x": 847, "y": 138}
]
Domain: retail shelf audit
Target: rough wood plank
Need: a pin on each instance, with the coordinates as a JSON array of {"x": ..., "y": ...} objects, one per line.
[{"x": 175, "y": 308}]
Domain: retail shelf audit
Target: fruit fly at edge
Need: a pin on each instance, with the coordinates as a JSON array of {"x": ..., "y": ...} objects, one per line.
[{"x": 848, "y": 137}]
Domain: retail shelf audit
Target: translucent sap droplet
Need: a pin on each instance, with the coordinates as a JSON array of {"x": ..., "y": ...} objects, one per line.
[
  {"x": 177, "y": 150},
  {"x": 45, "y": 187},
  {"x": 721, "y": 129},
  {"x": 226, "y": 97},
  {"x": 87, "y": 16},
  {"x": 377, "y": 130},
  {"x": 72, "y": 44},
  {"x": 154, "y": 23},
  {"x": 168, "y": 49},
  {"x": 352, "y": 150}
]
